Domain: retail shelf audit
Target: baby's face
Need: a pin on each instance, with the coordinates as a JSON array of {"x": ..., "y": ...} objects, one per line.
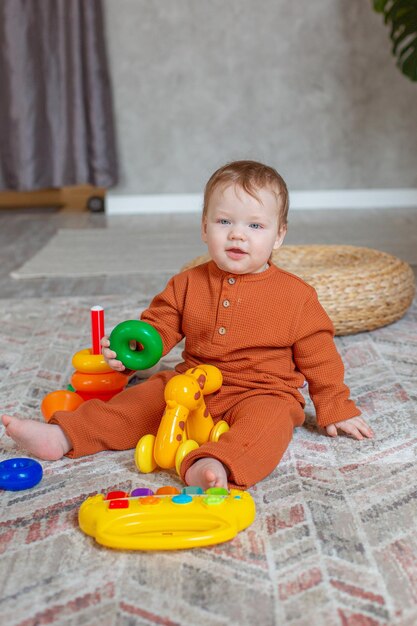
[{"x": 242, "y": 231}]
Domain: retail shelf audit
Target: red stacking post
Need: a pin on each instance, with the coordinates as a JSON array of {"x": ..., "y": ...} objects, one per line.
[{"x": 97, "y": 328}]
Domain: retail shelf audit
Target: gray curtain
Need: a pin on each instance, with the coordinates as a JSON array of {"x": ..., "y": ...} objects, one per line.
[{"x": 56, "y": 119}]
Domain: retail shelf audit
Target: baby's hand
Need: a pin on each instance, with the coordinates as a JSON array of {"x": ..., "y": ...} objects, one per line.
[
  {"x": 356, "y": 427},
  {"x": 110, "y": 356}
]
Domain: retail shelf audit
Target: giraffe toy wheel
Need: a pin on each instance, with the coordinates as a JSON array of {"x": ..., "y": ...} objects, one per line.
[
  {"x": 144, "y": 454},
  {"x": 183, "y": 450},
  {"x": 218, "y": 430}
]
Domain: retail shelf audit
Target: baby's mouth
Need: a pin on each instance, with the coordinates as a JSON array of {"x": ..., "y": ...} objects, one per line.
[{"x": 235, "y": 253}]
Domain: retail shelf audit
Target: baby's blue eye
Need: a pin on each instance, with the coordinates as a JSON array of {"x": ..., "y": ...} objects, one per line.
[
  {"x": 222, "y": 221},
  {"x": 255, "y": 226}
]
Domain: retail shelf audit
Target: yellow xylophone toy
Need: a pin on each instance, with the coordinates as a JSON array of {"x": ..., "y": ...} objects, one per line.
[{"x": 167, "y": 519}]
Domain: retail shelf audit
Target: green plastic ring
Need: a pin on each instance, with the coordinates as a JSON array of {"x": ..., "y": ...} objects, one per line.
[{"x": 143, "y": 333}]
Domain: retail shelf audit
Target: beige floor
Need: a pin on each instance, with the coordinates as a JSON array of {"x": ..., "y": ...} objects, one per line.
[{"x": 24, "y": 232}]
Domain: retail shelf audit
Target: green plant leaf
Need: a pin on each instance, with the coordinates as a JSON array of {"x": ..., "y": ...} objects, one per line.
[
  {"x": 379, "y": 5},
  {"x": 401, "y": 17}
]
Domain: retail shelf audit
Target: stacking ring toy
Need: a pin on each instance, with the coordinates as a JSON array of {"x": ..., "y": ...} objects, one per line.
[
  {"x": 19, "y": 474},
  {"x": 113, "y": 381},
  {"x": 88, "y": 363},
  {"x": 60, "y": 400},
  {"x": 145, "y": 335}
]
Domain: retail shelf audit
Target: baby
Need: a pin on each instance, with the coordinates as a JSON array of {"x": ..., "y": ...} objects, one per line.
[{"x": 261, "y": 326}]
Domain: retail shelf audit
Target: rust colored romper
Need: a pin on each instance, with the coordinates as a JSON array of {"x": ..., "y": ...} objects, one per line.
[{"x": 267, "y": 333}]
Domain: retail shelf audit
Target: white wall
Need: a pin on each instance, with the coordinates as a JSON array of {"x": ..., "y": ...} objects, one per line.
[{"x": 308, "y": 87}]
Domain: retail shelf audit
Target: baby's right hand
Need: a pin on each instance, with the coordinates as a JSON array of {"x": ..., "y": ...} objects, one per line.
[{"x": 110, "y": 356}]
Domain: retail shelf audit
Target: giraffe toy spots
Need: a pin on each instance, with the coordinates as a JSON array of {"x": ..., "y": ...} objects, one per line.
[{"x": 186, "y": 422}]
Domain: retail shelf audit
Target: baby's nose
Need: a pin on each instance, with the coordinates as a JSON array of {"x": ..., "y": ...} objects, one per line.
[{"x": 236, "y": 233}]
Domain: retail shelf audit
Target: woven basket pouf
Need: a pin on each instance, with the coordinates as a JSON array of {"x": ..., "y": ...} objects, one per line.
[{"x": 360, "y": 288}]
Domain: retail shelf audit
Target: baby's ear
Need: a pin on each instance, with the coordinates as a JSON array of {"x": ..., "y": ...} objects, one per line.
[
  {"x": 280, "y": 237},
  {"x": 204, "y": 229}
]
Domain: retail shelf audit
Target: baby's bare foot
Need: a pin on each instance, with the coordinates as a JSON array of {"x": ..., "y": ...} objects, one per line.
[
  {"x": 45, "y": 441},
  {"x": 206, "y": 473}
]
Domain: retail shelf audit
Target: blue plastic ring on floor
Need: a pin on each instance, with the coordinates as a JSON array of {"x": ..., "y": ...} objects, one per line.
[{"x": 18, "y": 474}]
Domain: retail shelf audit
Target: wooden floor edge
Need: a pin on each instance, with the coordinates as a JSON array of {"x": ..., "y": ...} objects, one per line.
[{"x": 68, "y": 198}]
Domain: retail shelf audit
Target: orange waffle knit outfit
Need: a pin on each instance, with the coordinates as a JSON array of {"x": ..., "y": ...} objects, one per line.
[{"x": 267, "y": 333}]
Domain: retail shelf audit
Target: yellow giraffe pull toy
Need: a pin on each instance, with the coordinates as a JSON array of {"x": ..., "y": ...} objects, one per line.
[{"x": 186, "y": 422}]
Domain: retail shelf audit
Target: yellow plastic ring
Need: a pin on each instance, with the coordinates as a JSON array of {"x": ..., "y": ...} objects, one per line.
[{"x": 87, "y": 363}]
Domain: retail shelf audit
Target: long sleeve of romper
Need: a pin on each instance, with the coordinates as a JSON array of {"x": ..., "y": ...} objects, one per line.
[
  {"x": 165, "y": 315},
  {"x": 316, "y": 356}
]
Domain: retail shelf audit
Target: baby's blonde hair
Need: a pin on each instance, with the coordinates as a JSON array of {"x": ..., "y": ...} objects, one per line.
[{"x": 250, "y": 176}]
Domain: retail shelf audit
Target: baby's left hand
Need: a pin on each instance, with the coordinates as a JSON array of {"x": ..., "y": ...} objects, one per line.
[{"x": 356, "y": 427}]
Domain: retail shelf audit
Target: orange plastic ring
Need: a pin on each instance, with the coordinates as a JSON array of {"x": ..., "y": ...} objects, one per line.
[
  {"x": 87, "y": 363},
  {"x": 98, "y": 382},
  {"x": 60, "y": 400}
]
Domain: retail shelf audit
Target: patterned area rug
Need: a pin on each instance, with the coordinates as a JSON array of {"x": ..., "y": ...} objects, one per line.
[{"x": 333, "y": 543}]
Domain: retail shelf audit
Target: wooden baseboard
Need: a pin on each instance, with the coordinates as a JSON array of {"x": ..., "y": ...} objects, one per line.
[{"x": 64, "y": 198}]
